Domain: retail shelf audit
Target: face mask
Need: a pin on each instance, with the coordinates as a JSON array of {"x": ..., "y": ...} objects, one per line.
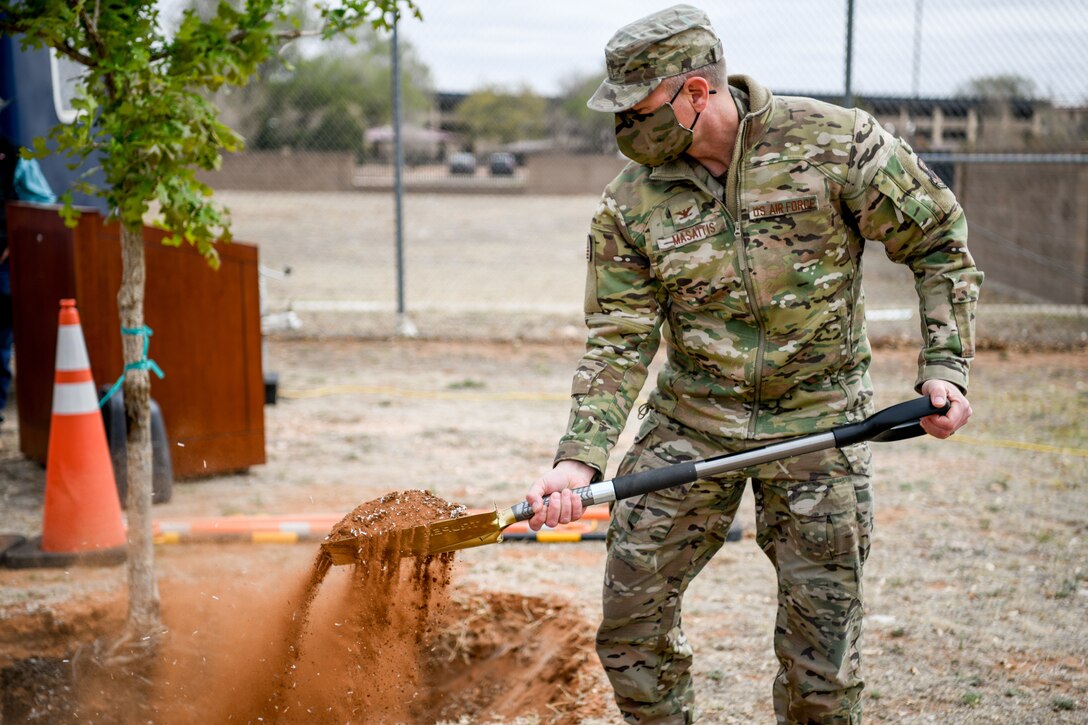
[{"x": 654, "y": 138}]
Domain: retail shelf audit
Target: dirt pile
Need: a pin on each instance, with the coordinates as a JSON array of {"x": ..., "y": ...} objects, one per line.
[{"x": 501, "y": 656}]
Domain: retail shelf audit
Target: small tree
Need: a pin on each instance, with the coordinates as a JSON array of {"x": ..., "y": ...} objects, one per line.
[
  {"x": 999, "y": 88},
  {"x": 144, "y": 109},
  {"x": 327, "y": 101},
  {"x": 495, "y": 114},
  {"x": 585, "y": 129}
]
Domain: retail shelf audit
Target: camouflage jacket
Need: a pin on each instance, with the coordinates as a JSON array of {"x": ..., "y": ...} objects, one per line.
[{"x": 756, "y": 285}]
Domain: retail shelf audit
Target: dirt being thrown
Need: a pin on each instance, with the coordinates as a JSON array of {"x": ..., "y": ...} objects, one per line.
[{"x": 381, "y": 621}]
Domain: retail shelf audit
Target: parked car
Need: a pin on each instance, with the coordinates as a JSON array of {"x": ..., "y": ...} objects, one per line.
[
  {"x": 502, "y": 164},
  {"x": 462, "y": 163}
]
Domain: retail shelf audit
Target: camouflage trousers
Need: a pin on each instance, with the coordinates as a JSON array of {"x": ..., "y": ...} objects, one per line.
[{"x": 814, "y": 521}]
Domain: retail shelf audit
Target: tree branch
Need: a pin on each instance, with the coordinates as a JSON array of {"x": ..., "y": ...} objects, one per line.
[
  {"x": 8, "y": 27},
  {"x": 66, "y": 50},
  {"x": 92, "y": 31},
  {"x": 296, "y": 34},
  {"x": 285, "y": 35}
]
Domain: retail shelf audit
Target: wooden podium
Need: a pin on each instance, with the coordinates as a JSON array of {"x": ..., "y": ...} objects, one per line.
[{"x": 206, "y": 324}]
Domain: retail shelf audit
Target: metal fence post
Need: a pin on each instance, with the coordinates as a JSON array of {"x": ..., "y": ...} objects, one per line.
[
  {"x": 848, "y": 84},
  {"x": 916, "y": 69},
  {"x": 404, "y": 324}
]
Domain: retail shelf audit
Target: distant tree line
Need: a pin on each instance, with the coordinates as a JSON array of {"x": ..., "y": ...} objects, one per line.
[{"x": 326, "y": 100}]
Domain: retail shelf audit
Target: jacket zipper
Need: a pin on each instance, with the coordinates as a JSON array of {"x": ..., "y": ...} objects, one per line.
[{"x": 735, "y": 176}]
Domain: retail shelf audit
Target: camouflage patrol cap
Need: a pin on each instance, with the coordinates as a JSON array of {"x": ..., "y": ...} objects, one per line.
[{"x": 642, "y": 54}]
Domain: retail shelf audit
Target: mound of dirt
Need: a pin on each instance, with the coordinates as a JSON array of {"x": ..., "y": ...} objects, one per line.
[{"x": 500, "y": 656}]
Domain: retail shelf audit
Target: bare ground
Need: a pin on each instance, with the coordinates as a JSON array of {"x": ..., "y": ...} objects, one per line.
[{"x": 977, "y": 586}]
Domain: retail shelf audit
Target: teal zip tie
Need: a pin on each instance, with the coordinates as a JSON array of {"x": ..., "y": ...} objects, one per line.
[{"x": 142, "y": 364}]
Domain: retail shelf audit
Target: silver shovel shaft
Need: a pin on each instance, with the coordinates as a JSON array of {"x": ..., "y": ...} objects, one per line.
[
  {"x": 894, "y": 423},
  {"x": 605, "y": 491}
]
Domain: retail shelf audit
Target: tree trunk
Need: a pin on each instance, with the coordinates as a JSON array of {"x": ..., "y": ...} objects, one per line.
[{"x": 143, "y": 589}]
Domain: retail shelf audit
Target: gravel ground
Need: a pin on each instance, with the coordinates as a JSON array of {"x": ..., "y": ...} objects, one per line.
[{"x": 977, "y": 586}]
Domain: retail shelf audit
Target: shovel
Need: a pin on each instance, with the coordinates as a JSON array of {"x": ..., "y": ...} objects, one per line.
[{"x": 897, "y": 422}]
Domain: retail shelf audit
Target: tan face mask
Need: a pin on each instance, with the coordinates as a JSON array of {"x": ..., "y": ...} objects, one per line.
[{"x": 654, "y": 138}]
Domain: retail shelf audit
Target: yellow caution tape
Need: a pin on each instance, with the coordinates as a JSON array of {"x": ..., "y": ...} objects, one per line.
[
  {"x": 1021, "y": 446},
  {"x": 428, "y": 394},
  {"x": 557, "y": 536},
  {"x": 256, "y": 537}
]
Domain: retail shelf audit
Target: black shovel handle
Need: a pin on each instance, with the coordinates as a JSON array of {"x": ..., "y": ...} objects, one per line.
[
  {"x": 894, "y": 423},
  {"x": 890, "y": 424}
]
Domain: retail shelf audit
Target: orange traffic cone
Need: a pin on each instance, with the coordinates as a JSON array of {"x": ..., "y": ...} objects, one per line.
[
  {"x": 82, "y": 511},
  {"x": 82, "y": 519}
]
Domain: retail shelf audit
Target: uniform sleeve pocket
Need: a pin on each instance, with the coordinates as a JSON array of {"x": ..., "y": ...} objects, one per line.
[
  {"x": 915, "y": 191},
  {"x": 584, "y": 376},
  {"x": 965, "y": 293}
]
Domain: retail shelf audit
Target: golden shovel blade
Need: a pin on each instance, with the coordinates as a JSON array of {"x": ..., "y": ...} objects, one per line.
[
  {"x": 462, "y": 533},
  {"x": 430, "y": 539}
]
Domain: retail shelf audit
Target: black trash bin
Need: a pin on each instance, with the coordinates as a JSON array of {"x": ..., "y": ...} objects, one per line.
[{"x": 162, "y": 469}]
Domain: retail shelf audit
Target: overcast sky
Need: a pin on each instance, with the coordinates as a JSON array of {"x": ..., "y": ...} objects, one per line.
[{"x": 790, "y": 45}]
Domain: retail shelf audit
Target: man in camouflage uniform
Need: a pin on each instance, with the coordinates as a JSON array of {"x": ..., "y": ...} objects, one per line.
[{"x": 736, "y": 234}]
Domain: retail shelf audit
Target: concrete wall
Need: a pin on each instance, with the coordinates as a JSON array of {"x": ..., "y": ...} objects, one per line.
[
  {"x": 333, "y": 171},
  {"x": 283, "y": 171},
  {"x": 1029, "y": 226},
  {"x": 572, "y": 173}
]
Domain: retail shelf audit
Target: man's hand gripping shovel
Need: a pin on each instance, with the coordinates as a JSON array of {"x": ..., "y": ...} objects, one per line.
[{"x": 895, "y": 423}]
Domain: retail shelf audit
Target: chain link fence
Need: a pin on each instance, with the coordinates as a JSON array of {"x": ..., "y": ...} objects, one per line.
[{"x": 502, "y": 174}]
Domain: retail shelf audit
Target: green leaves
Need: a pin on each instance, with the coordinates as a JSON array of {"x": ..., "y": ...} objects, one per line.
[
  {"x": 143, "y": 114},
  {"x": 497, "y": 114},
  {"x": 350, "y": 14},
  {"x": 325, "y": 102}
]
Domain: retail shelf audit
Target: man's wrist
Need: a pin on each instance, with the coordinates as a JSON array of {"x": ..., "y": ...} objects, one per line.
[
  {"x": 595, "y": 458},
  {"x": 578, "y": 470},
  {"x": 951, "y": 383},
  {"x": 943, "y": 373}
]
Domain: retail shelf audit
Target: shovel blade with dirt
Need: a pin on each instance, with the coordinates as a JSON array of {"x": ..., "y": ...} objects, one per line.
[{"x": 894, "y": 423}]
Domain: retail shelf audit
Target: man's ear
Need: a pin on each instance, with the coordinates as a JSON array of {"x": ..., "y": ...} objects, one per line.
[{"x": 699, "y": 91}]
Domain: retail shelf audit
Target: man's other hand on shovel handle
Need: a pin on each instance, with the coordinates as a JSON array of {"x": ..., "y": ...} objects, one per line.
[
  {"x": 940, "y": 392},
  {"x": 558, "y": 484}
]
